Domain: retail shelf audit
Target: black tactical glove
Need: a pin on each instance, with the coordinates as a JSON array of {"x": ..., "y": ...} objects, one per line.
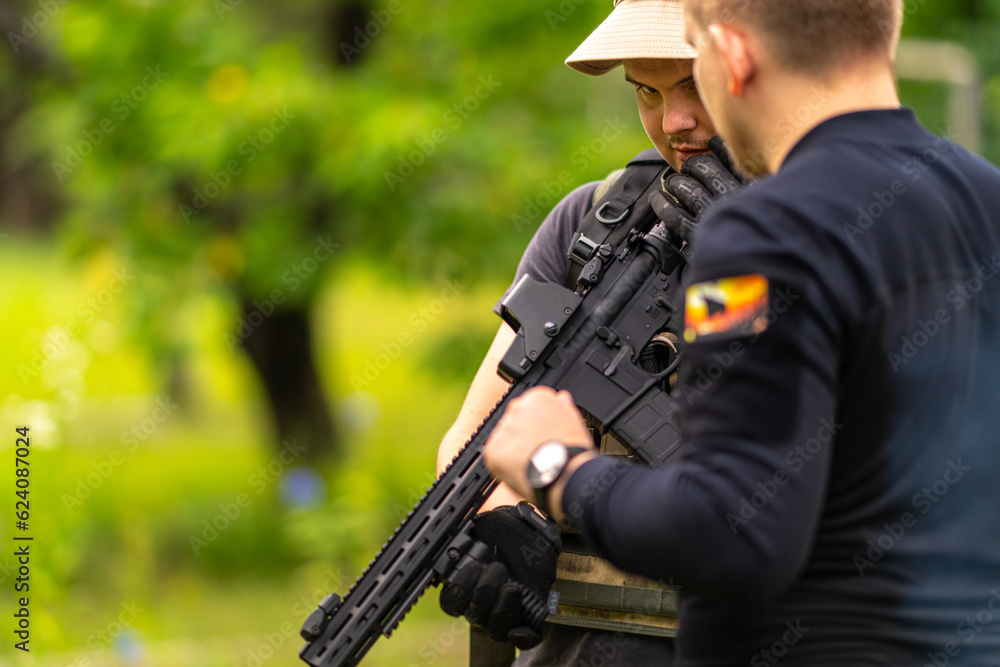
[
  {"x": 524, "y": 548},
  {"x": 702, "y": 180}
]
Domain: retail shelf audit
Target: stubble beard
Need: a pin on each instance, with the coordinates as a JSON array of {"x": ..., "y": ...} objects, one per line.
[{"x": 748, "y": 158}]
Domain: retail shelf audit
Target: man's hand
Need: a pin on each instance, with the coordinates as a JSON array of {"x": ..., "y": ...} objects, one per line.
[
  {"x": 703, "y": 180},
  {"x": 524, "y": 547},
  {"x": 539, "y": 415}
]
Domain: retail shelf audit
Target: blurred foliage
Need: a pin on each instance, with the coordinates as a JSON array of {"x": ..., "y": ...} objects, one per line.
[
  {"x": 193, "y": 523},
  {"x": 212, "y": 144},
  {"x": 225, "y": 146},
  {"x": 208, "y": 152},
  {"x": 975, "y": 24}
]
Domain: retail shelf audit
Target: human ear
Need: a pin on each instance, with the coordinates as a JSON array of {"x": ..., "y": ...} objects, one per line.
[{"x": 737, "y": 60}]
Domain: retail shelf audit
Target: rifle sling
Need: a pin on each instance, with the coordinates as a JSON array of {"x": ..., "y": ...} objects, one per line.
[
  {"x": 610, "y": 220},
  {"x": 621, "y": 209}
]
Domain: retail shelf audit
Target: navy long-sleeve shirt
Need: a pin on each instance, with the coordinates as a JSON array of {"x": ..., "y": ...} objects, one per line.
[{"x": 838, "y": 503}]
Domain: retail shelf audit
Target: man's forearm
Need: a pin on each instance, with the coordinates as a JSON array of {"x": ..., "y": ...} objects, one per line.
[
  {"x": 559, "y": 488},
  {"x": 485, "y": 392}
]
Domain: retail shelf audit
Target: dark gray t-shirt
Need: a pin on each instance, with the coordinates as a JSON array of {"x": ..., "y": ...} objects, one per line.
[{"x": 545, "y": 260}]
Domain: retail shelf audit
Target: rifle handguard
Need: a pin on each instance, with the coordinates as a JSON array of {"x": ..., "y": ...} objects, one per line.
[{"x": 558, "y": 345}]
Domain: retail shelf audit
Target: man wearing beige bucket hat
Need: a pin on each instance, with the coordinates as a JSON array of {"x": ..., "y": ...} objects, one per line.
[
  {"x": 635, "y": 30},
  {"x": 611, "y": 618},
  {"x": 647, "y": 36}
]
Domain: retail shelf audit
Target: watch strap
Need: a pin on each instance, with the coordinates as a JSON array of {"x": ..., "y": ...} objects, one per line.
[{"x": 541, "y": 494}]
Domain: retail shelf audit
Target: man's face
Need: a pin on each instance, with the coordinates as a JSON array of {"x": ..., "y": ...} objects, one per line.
[
  {"x": 671, "y": 111},
  {"x": 728, "y": 113}
]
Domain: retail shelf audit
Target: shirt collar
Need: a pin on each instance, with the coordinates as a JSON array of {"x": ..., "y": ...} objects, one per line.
[{"x": 863, "y": 126}]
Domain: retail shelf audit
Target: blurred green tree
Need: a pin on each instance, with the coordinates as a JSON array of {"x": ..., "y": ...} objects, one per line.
[{"x": 252, "y": 148}]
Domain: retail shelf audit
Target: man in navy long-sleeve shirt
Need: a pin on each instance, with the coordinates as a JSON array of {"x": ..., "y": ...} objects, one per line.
[{"x": 841, "y": 387}]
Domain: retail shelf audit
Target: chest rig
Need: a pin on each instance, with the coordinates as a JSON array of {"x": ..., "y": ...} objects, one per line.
[{"x": 593, "y": 592}]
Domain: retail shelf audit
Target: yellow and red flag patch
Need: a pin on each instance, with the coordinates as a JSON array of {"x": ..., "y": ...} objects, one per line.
[{"x": 729, "y": 305}]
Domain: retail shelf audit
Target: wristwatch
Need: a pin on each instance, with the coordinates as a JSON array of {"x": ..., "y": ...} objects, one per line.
[{"x": 546, "y": 466}]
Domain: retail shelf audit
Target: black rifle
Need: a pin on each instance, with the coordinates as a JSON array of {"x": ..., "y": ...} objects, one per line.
[{"x": 601, "y": 343}]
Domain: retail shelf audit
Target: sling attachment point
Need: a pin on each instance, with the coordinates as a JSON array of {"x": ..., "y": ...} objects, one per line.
[
  {"x": 605, "y": 218},
  {"x": 620, "y": 205},
  {"x": 582, "y": 249},
  {"x": 592, "y": 271}
]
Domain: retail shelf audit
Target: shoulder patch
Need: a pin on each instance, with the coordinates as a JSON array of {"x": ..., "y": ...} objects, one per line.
[{"x": 736, "y": 306}]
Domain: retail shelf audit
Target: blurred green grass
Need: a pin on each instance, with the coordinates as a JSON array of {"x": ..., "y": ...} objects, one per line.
[{"x": 115, "y": 576}]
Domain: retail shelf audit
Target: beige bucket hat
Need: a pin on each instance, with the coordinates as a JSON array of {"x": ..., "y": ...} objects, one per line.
[{"x": 635, "y": 29}]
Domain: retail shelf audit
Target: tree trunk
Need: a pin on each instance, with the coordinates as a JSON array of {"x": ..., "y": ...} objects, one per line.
[{"x": 281, "y": 350}]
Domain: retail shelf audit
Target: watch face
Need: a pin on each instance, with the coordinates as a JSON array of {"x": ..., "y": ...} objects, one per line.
[{"x": 546, "y": 463}]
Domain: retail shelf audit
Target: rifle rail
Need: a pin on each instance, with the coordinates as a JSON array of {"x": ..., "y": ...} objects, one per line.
[
  {"x": 347, "y": 634},
  {"x": 595, "y": 353}
]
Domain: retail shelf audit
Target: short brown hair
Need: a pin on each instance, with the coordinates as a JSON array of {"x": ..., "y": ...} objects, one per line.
[{"x": 812, "y": 35}]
